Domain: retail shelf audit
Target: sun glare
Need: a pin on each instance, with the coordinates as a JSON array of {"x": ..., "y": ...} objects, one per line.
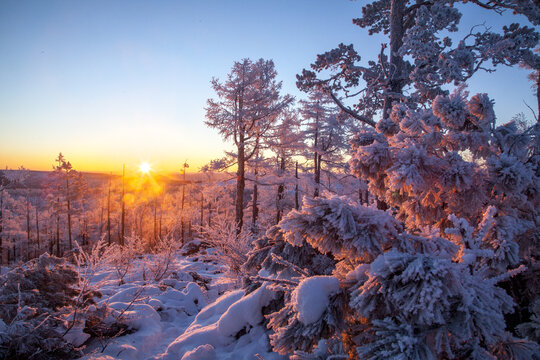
[{"x": 145, "y": 167}]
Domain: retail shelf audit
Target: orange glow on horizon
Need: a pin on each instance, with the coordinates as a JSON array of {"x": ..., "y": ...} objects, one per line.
[{"x": 44, "y": 161}]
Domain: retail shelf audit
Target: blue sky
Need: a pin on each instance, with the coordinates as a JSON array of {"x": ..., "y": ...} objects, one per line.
[{"x": 108, "y": 82}]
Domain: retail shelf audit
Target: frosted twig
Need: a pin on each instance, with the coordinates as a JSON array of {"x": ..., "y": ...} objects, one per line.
[
  {"x": 507, "y": 275},
  {"x": 43, "y": 322},
  {"x": 275, "y": 281},
  {"x": 278, "y": 259},
  {"x": 19, "y": 297}
]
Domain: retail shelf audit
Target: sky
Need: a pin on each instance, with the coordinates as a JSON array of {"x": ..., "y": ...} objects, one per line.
[{"x": 113, "y": 82}]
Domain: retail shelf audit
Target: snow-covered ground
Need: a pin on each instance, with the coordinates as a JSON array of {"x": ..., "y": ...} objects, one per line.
[{"x": 195, "y": 312}]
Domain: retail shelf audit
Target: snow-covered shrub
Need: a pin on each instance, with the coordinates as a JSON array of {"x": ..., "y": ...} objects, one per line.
[
  {"x": 33, "y": 334},
  {"x": 45, "y": 283},
  {"x": 122, "y": 257},
  {"x": 232, "y": 247},
  {"x": 160, "y": 265},
  {"x": 35, "y": 298},
  {"x": 49, "y": 310}
]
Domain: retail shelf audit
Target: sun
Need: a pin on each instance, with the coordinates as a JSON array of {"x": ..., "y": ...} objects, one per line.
[{"x": 145, "y": 167}]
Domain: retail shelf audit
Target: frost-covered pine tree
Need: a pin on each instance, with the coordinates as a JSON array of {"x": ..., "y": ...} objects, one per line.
[
  {"x": 431, "y": 277},
  {"x": 64, "y": 177},
  {"x": 422, "y": 54},
  {"x": 285, "y": 142},
  {"x": 326, "y": 134},
  {"x": 247, "y": 105}
]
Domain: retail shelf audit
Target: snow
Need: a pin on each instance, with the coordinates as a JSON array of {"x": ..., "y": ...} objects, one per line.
[
  {"x": 244, "y": 312},
  {"x": 311, "y": 297},
  {"x": 76, "y": 336},
  {"x": 213, "y": 312},
  {"x": 220, "y": 324},
  {"x": 203, "y": 352},
  {"x": 179, "y": 318}
]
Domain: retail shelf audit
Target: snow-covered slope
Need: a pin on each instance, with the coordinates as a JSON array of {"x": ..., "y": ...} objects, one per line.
[{"x": 196, "y": 312}]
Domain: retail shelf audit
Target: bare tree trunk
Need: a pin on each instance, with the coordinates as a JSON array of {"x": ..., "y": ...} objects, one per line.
[
  {"x": 394, "y": 71},
  {"x": 109, "y": 212},
  {"x": 209, "y": 213},
  {"x": 296, "y": 200},
  {"x": 37, "y": 227},
  {"x": 280, "y": 190},
  {"x": 160, "y": 215},
  {"x": 58, "y": 232},
  {"x": 155, "y": 221},
  {"x": 316, "y": 159},
  {"x": 123, "y": 206},
  {"x": 190, "y": 205},
  {"x": 27, "y": 219},
  {"x": 183, "y": 201},
  {"x": 329, "y": 178},
  {"x": 381, "y": 205},
  {"x": 255, "y": 206},
  {"x": 1, "y": 226},
  {"x": 538, "y": 95},
  {"x": 317, "y": 174},
  {"x": 202, "y": 208},
  {"x": 240, "y": 187},
  {"x": 68, "y": 199},
  {"x": 101, "y": 218}
]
